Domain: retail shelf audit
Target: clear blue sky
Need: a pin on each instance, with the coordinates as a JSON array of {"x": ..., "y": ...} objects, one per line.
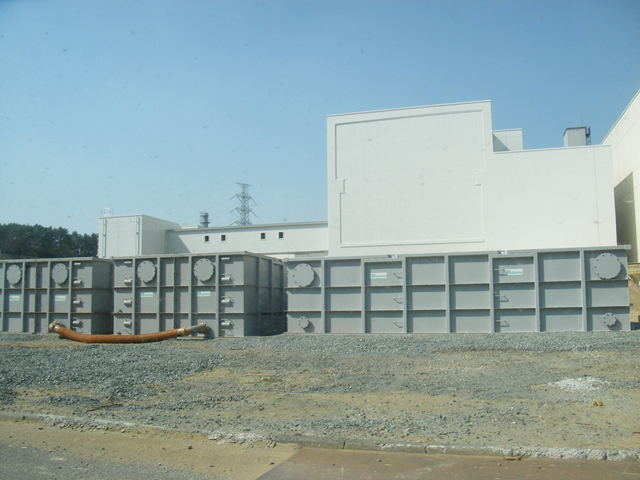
[{"x": 159, "y": 107}]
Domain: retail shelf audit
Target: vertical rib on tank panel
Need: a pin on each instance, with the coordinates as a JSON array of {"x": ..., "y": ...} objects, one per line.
[
  {"x": 427, "y": 297},
  {"x": 146, "y": 282},
  {"x": 343, "y": 296},
  {"x": 14, "y": 294},
  {"x": 515, "y": 293},
  {"x": 304, "y": 290},
  {"x": 470, "y": 293},
  {"x": 204, "y": 296},
  {"x": 383, "y": 291}
]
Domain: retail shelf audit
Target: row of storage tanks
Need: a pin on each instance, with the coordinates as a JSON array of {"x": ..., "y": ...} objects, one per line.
[
  {"x": 233, "y": 294},
  {"x": 245, "y": 294}
]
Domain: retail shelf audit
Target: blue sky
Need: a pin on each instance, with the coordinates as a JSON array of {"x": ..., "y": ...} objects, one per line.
[{"x": 160, "y": 107}]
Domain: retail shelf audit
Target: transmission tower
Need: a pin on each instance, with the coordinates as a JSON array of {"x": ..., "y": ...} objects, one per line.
[{"x": 244, "y": 209}]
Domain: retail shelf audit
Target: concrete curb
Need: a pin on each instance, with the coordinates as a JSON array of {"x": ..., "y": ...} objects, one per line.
[{"x": 340, "y": 443}]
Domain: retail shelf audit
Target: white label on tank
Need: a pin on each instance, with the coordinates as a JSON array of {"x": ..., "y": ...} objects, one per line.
[
  {"x": 14, "y": 298},
  {"x": 203, "y": 294},
  {"x": 60, "y": 298},
  {"x": 513, "y": 271},
  {"x": 146, "y": 294},
  {"x": 378, "y": 275}
]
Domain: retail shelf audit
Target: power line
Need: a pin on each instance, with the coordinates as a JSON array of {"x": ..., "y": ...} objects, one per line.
[{"x": 267, "y": 214}]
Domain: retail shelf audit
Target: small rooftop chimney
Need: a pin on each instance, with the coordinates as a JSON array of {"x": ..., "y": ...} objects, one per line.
[
  {"x": 204, "y": 219},
  {"x": 577, "y": 136}
]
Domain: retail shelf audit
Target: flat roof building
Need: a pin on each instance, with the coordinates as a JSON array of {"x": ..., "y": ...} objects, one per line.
[{"x": 419, "y": 180}]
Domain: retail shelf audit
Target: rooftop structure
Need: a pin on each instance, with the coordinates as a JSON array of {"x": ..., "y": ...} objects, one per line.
[{"x": 414, "y": 181}]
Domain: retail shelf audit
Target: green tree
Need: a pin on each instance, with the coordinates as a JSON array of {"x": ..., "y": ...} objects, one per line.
[{"x": 36, "y": 241}]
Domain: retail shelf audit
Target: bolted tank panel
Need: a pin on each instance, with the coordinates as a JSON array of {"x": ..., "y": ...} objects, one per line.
[
  {"x": 532, "y": 291},
  {"x": 174, "y": 291},
  {"x": 74, "y": 291}
]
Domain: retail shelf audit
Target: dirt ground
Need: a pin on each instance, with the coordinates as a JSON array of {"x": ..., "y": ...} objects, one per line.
[
  {"x": 192, "y": 454},
  {"x": 499, "y": 399}
]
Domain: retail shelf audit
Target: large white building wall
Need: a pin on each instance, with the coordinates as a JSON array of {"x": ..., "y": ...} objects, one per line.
[
  {"x": 624, "y": 139},
  {"x": 556, "y": 198},
  {"x": 427, "y": 180},
  {"x": 400, "y": 180},
  {"x": 283, "y": 240},
  {"x": 128, "y": 235}
]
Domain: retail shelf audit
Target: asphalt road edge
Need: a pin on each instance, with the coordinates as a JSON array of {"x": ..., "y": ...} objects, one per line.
[{"x": 338, "y": 443}]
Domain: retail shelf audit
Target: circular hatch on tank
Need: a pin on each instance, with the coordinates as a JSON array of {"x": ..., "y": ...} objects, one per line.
[
  {"x": 146, "y": 271},
  {"x": 304, "y": 322},
  {"x": 14, "y": 274},
  {"x": 204, "y": 269},
  {"x": 303, "y": 275},
  {"x": 609, "y": 319},
  {"x": 607, "y": 266},
  {"x": 59, "y": 273}
]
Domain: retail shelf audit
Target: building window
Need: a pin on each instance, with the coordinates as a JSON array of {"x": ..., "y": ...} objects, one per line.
[
  {"x": 206, "y": 239},
  {"x": 223, "y": 238},
  {"x": 280, "y": 235},
  {"x": 263, "y": 236}
]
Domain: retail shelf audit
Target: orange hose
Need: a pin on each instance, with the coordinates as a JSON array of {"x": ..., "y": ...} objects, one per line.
[{"x": 55, "y": 327}]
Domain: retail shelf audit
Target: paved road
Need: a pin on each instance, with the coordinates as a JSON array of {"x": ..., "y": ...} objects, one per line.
[
  {"x": 30, "y": 463},
  {"x": 316, "y": 464}
]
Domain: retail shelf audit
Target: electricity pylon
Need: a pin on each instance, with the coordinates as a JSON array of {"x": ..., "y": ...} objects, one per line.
[{"x": 244, "y": 209}]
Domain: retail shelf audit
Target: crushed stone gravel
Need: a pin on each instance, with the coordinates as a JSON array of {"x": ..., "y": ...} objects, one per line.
[{"x": 534, "y": 391}]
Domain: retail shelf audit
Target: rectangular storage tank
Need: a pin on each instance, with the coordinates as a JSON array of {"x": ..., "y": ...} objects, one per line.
[
  {"x": 74, "y": 291},
  {"x": 527, "y": 291},
  {"x": 235, "y": 295}
]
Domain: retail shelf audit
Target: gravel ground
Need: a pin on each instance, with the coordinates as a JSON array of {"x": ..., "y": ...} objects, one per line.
[{"x": 509, "y": 391}]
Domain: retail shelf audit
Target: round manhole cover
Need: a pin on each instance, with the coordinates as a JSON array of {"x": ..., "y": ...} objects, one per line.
[
  {"x": 303, "y": 275},
  {"x": 609, "y": 319},
  {"x": 146, "y": 271},
  {"x": 60, "y": 273},
  {"x": 304, "y": 322},
  {"x": 204, "y": 269},
  {"x": 14, "y": 274},
  {"x": 607, "y": 266}
]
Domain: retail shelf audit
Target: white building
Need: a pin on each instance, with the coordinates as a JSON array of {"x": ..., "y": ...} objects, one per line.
[
  {"x": 418, "y": 180},
  {"x": 624, "y": 140}
]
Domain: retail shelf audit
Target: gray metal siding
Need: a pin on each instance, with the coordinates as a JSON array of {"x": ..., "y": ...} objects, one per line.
[
  {"x": 234, "y": 294},
  {"x": 74, "y": 291},
  {"x": 532, "y": 291}
]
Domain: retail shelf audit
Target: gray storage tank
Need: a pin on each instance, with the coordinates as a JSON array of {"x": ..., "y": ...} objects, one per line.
[
  {"x": 74, "y": 291},
  {"x": 525, "y": 291},
  {"x": 238, "y": 294}
]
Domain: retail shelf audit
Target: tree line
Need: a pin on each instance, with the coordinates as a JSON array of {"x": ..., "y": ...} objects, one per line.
[{"x": 36, "y": 241}]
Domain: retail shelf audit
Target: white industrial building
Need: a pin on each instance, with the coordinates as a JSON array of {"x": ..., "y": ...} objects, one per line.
[
  {"x": 421, "y": 180},
  {"x": 624, "y": 140}
]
